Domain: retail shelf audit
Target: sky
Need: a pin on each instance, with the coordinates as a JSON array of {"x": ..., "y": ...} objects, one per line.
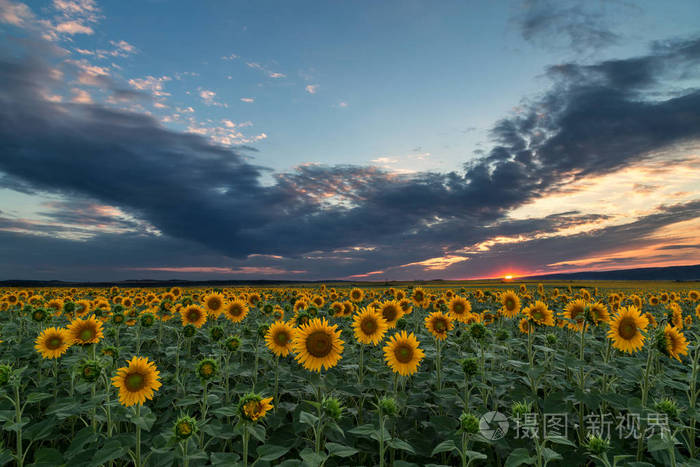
[{"x": 356, "y": 140}]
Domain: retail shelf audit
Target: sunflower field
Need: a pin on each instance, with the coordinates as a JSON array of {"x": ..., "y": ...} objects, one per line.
[{"x": 445, "y": 375}]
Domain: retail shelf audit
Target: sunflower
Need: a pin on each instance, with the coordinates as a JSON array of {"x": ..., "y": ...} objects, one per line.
[
  {"x": 82, "y": 307},
  {"x": 575, "y": 312},
  {"x": 626, "y": 329},
  {"x": 254, "y": 299},
  {"x": 370, "y": 326},
  {"x": 253, "y": 407},
  {"x": 85, "y": 331},
  {"x": 525, "y": 326},
  {"x": 511, "y": 304},
  {"x": 279, "y": 338},
  {"x": 694, "y": 295},
  {"x": 654, "y": 300},
  {"x": 418, "y": 296},
  {"x": 236, "y": 311},
  {"x": 136, "y": 382},
  {"x": 214, "y": 304},
  {"x": 194, "y": 315},
  {"x": 391, "y": 311},
  {"x": 459, "y": 308},
  {"x": 438, "y": 324},
  {"x": 52, "y": 342},
  {"x": 402, "y": 353},
  {"x": 356, "y": 295},
  {"x": 317, "y": 344},
  {"x": 599, "y": 313},
  {"x": 673, "y": 342},
  {"x": 540, "y": 314}
]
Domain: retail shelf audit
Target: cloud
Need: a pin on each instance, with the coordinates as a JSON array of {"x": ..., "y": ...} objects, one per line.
[
  {"x": 343, "y": 220},
  {"x": 247, "y": 99},
  {"x": 17, "y": 14},
  {"x": 581, "y": 26},
  {"x": 270, "y": 74},
  {"x": 311, "y": 88}
]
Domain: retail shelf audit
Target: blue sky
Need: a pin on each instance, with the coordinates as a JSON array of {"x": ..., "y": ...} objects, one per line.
[{"x": 332, "y": 108}]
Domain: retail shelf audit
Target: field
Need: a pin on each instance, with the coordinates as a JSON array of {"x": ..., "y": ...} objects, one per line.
[{"x": 404, "y": 374}]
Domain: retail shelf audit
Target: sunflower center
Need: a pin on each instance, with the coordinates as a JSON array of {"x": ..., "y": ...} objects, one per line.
[
  {"x": 368, "y": 326},
  {"x": 193, "y": 315},
  {"x": 236, "y": 310},
  {"x": 207, "y": 370},
  {"x": 282, "y": 338},
  {"x": 440, "y": 326},
  {"x": 214, "y": 303},
  {"x": 458, "y": 308},
  {"x": 510, "y": 303},
  {"x": 54, "y": 343},
  {"x": 319, "y": 344},
  {"x": 538, "y": 315},
  {"x": 389, "y": 313},
  {"x": 628, "y": 328},
  {"x": 403, "y": 353},
  {"x": 86, "y": 334},
  {"x": 134, "y": 381}
]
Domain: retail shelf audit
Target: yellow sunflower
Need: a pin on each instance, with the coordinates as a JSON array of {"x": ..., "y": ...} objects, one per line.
[
  {"x": 391, "y": 311},
  {"x": 540, "y": 314},
  {"x": 136, "y": 382},
  {"x": 676, "y": 343},
  {"x": 599, "y": 313},
  {"x": 438, "y": 324},
  {"x": 236, "y": 310},
  {"x": 194, "y": 315},
  {"x": 626, "y": 329},
  {"x": 370, "y": 326},
  {"x": 318, "y": 344},
  {"x": 402, "y": 353},
  {"x": 575, "y": 312},
  {"x": 82, "y": 307},
  {"x": 459, "y": 308},
  {"x": 356, "y": 295},
  {"x": 52, "y": 342},
  {"x": 253, "y": 407},
  {"x": 279, "y": 338},
  {"x": 85, "y": 331},
  {"x": 418, "y": 296},
  {"x": 214, "y": 304},
  {"x": 525, "y": 326},
  {"x": 511, "y": 304}
]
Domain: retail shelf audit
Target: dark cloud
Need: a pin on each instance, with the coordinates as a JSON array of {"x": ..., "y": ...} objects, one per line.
[
  {"x": 594, "y": 120},
  {"x": 581, "y": 26}
]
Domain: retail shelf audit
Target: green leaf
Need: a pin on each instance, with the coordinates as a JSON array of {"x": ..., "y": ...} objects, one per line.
[
  {"x": 313, "y": 459},
  {"x": 550, "y": 455},
  {"x": 401, "y": 444},
  {"x": 41, "y": 430},
  {"x": 258, "y": 431},
  {"x": 363, "y": 430},
  {"x": 6, "y": 457},
  {"x": 144, "y": 421},
  {"x": 110, "y": 451},
  {"x": 84, "y": 436},
  {"x": 307, "y": 418},
  {"x": 38, "y": 396},
  {"x": 226, "y": 411},
  {"x": 224, "y": 458},
  {"x": 445, "y": 446},
  {"x": 270, "y": 452},
  {"x": 560, "y": 440},
  {"x": 518, "y": 457},
  {"x": 47, "y": 457},
  {"x": 335, "y": 449},
  {"x": 475, "y": 455}
]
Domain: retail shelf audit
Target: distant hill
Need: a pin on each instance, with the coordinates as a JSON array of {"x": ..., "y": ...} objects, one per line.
[{"x": 671, "y": 273}]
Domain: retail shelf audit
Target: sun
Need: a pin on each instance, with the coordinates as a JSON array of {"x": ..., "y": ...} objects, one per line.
[{"x": 508, "y": 277}]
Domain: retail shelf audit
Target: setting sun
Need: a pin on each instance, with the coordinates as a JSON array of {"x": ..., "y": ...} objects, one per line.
[{"x": 508, "y": 277}]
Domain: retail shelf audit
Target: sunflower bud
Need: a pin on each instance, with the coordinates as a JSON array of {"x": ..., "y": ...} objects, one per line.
[
  {"x": 110, "y": 351},
  {"x": 39, "y": 315},
  {"x": 387, "y": 406},
  {"x": 5, "y": 374},
  {"x": 667, "y": 406},
  {"x": 90, "y": 370},
  {"x": 216, "y": 333},
  {"x": 262, "y": 330},
  {"x": 596, "y": 445},
  {"x": 207, "y": 369},
  {"x": 185, "y": 427},
  {"x": 332, "y": 408},
  {"x": 521, "y": 408},
  {"x": 189, "y": 331},
  {"x": 232, "y": 343},
  {"x": 468, "y": 423},
  {"x": 477, "y": 331},
  {"x": 147, "y": 320},
  {"x": 551, "y": 339},
  {"x": 470, "y": 367}
]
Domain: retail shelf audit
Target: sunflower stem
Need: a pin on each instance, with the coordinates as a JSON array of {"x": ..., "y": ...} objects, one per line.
[
  {"x": 277, "y": 381},
  {"x": 438, "y": 350},
  {"x": 645, "y": 393},
  {"x": 246, "y": 438},
  {"x": 18, "y": 420},
  {"x": 138, "y": 436}
]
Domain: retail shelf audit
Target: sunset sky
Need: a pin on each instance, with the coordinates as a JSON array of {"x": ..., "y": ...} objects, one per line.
[{"x": 378, "y": 140}]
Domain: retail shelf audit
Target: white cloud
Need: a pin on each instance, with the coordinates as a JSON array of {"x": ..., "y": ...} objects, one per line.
[
  {"x": 17, "y": 14},
  {"x": 73, "y": 27},
  {"x": 230, "y": 57},
  {"x": 311, "y": 88},
  {"x": 342, "y": 104},
  {"x": 247, "y": 99},
  {"x": 80, "y": 96},
  {"x": 271, "y": 74},
  {"x": 152, "y": 84}
]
